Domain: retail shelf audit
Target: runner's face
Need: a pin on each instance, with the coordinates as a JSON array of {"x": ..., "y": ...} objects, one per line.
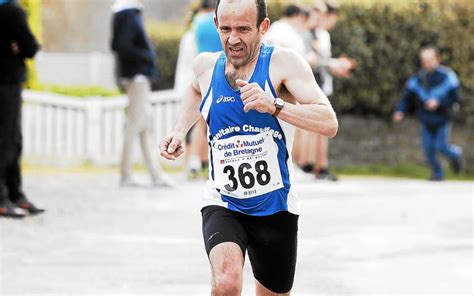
[{"x": 236, "y": 22}]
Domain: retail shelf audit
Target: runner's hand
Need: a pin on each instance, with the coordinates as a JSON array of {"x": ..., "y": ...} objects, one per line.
[
  {"x": 171, "y": 146},
  {"x": 255, "y": 98}
]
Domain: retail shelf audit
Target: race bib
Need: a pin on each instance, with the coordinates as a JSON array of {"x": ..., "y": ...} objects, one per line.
[{"x": 246, "y": 166}]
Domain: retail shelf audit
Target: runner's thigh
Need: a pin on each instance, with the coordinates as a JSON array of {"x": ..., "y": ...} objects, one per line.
[{"x": 272, "y": 250}]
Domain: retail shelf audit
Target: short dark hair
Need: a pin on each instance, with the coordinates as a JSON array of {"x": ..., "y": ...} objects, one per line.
[
  {"x": 291, "y": 10},
  {"x": 261, "y": 10},
  {"x": 430, "y": 47},
  {"x": 206, "y": 4}
]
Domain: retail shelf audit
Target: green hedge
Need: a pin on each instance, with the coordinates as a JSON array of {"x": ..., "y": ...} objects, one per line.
[
  {"x": 33, "y": 9},
  {"x": 165, "y": 38},
  {"x": 77, "y": 91},
  {"x": 385, "y": 41}
]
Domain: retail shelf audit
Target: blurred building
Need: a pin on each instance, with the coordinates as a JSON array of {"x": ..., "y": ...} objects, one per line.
[
  {"x": 76, "y": 36},
  {"x": 84, "y": 25}
]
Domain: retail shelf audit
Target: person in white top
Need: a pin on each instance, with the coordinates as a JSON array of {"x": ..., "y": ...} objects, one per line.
[
  {"x": 290, "y": 32},
  {"x": 187, "y": 53},
  {"x": 287, "y": 32},
  {"x": 323, "y": 17}
]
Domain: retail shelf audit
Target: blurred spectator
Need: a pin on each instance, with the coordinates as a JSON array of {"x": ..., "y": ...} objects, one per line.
[
  {"x": 136, "y": 68},
  {"x": 207, "y": 40},
  {"x": 186, "y": 54},
  {"x": 207, "y": 37},
  {"x": 16, "y": 44},
  {"x": 183, "y": 78},
  {"x": 433, "y": 90},
  {"x": 287, "y": 31},
  {"x": 323, "y": 18}
]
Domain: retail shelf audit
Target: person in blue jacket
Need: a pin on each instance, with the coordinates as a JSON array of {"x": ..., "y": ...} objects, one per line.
[{"x": 434, "y": 90}]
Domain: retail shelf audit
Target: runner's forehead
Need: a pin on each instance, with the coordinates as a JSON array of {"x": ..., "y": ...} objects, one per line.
[{"x": 241, "y": 12}]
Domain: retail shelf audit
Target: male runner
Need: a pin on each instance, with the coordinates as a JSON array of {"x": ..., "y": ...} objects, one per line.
[{"x": 252, "y": 97}]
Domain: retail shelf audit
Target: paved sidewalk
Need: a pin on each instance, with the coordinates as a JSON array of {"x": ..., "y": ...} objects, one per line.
[{"x": 356, "y": 237}]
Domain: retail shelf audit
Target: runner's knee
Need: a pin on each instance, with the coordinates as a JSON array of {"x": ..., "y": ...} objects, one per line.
[{"x": 227, "y": 283}]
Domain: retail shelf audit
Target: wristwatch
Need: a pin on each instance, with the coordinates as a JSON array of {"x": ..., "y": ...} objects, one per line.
[{"x": 279, "y": 104}]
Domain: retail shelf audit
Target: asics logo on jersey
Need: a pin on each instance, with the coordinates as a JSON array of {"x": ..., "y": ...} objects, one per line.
[{"x": 223, "y": 99}]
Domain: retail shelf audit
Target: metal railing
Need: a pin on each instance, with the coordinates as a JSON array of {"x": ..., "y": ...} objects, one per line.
[{"x": 62, "y": 130}]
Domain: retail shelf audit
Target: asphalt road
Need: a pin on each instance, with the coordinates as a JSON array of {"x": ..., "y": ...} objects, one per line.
[{"x": 358, "y": 236}]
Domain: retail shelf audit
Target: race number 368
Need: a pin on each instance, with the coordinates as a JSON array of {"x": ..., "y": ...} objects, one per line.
[
  {"x": 246, "y": 166},
  {"x": 246, "y": 175}
]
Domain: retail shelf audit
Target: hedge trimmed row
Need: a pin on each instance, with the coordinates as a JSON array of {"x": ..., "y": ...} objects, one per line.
[
  {"x": 385, "y": 41},
  {"x": 33, "y": 10}
]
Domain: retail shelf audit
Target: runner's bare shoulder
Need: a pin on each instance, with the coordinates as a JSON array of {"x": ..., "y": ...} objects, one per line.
[
  {"x": 204, "y": 62},
  {"x": 292, "y": 77},
  {"x": 203, "y": 68},
  {"x": 287, "y": 61},
  {"x": 286, "y": 64}
]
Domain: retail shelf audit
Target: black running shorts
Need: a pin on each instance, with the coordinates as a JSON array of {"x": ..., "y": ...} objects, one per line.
[{"x": 271, "y": 242}]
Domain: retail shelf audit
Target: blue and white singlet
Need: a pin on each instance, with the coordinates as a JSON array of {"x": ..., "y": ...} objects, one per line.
[{"x": 250, "y": 153}]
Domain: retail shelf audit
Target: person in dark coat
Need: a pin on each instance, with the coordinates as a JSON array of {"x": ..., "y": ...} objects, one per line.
[
  {"x": 17, "y": 43},
  {"x": 136, "y": 68}
]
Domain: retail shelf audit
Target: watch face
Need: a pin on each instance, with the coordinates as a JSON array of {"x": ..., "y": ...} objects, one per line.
[{"x": 279, "y": 103}]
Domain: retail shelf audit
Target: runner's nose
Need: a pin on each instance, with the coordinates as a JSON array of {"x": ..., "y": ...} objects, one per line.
[{"x": 234, "y": 39}]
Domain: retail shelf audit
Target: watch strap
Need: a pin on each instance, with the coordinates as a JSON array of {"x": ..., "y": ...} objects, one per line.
[{"x": 277, "y": 109}]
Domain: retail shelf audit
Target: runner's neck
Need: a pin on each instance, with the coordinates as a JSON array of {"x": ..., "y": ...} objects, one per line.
[{"x": 243, "y": 72}]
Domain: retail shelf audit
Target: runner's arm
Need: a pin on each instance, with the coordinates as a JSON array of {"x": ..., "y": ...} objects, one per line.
[
  {"x": 171, "y": 146},
  {"x": 313, "y": 111}
]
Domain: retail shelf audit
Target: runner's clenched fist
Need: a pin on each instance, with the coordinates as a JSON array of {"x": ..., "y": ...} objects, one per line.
[
  {"x": 171, "y": 146},
  {"x": 255, "y": 98}
]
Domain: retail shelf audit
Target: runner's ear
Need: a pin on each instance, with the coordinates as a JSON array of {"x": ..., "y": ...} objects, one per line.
[{"x": 263, "y": 28}]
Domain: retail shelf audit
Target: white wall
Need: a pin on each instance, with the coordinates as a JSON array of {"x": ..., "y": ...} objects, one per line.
[{"x": 76, "y": 69}]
